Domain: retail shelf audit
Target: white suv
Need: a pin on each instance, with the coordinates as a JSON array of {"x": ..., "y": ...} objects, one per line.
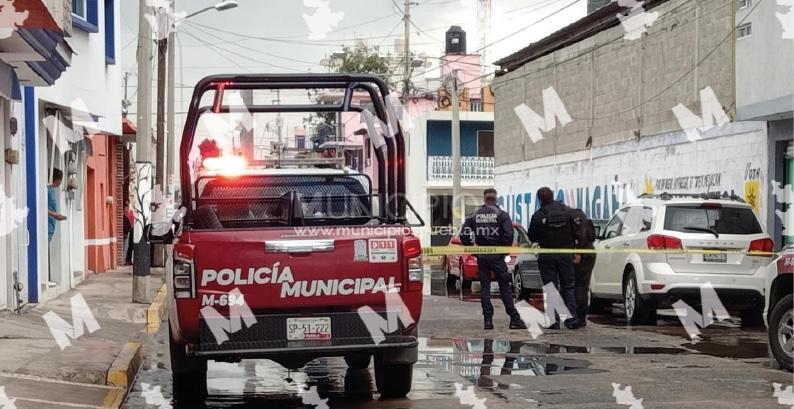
[{"x": 703, "y": 239}]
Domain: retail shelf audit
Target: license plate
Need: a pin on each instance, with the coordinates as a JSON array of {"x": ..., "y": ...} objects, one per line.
[
  {"x": 715, "y": 257},
  {"x": 303, "y": 329}
]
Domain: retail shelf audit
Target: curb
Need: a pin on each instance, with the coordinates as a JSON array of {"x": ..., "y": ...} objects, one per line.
[
  {"x": 124, "y": 368},
  {"x": 155, "y": 314},
  {"x": 122, "y": 372}
]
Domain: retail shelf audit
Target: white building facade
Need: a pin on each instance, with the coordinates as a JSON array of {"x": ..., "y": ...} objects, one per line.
[{"x": 85, "y": 100}]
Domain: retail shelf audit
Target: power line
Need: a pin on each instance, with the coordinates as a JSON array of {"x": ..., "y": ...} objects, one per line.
[
  {"x": 253, "y": 50},
  {"x": 240, "y": 55},
  {"x": 528, "y": 26}
]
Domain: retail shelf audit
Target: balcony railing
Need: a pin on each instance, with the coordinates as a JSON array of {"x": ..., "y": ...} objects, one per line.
[{"x": 478, "y": 169}]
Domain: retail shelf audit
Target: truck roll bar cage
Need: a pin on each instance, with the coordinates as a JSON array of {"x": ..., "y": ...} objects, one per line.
[{"x": 391, "y": 163}]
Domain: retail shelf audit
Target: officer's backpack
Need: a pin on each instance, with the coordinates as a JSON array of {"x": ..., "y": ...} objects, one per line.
[
  {"x": 558, "y": 226},
  {"x": 583, "y": 229}
]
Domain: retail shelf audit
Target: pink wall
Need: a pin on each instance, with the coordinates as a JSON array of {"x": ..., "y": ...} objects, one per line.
[{"x": 468, "y": 66}]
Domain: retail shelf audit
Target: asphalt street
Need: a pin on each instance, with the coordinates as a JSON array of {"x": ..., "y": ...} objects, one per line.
[{"x": 587, "y": 368}]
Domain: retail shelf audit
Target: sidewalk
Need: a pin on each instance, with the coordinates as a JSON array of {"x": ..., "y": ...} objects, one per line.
[{"x": 38, "y": 374}]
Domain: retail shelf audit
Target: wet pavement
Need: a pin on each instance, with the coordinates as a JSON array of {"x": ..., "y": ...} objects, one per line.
[{"x": 728, "y": 368}]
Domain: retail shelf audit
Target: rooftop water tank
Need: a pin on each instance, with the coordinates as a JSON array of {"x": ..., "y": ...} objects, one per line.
[{"x": 456, "y": 41}]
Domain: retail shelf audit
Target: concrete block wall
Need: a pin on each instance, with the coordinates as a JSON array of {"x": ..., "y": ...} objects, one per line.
[{"x": 617, "y": 89}]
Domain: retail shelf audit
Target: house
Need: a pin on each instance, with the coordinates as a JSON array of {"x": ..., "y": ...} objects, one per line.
[
  {"x": 33, "y": 53},
  {"x": 72, "y": 125},
  {"x": 677, "y": 104}
]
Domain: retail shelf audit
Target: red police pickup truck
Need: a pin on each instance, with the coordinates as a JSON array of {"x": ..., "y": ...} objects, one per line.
[{"x": 281, "y": 261}]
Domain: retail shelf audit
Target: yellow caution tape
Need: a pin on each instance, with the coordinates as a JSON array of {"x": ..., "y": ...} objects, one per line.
[{"x": 456, "y": 250}]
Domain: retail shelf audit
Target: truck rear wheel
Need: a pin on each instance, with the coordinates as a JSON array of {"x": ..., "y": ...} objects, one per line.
[
  {"x": 357, "y": 361},
  {"x": 393, "y": 379},
  {"x": 188, "y": 374}
]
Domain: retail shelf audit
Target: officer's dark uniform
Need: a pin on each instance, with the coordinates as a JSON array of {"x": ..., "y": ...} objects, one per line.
[
  {"x": 491, "y": 226},
  {"x": 555, "y": 268}
]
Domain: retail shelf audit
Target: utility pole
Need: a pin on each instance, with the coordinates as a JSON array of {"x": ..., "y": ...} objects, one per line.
[
  {"x": 125, "y": 103},
  {"x": 457, "y": 205},
  {"x": 407, "y": 48},
  {"x": 143, "y": 165},
  {"x": 164, "y": 23},
  {"x": 171, "y": 134}
]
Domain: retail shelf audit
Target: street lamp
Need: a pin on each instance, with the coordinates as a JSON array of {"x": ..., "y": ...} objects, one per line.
[
  {"x": 167, "y": 47},
  {"x": 224, "y": 5}
]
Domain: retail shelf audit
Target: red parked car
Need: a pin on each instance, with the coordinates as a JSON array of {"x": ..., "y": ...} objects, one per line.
[{"x": 454, "y": 264}]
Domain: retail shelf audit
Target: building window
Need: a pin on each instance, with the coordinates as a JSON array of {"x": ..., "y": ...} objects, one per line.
[
  {"x": 110, "y": 32},
  {"x": 85, "y": 15},
  {"x": 475, "y": 105},
  {"x": 485, "y": 144},
  {"x": 743, "y": 4},
  {"x": 78, "y": 8},
  {"x": 744, "y": 30}
]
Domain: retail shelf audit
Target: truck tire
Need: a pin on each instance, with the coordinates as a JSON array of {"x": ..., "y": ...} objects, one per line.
[
  {"x": 204, "y": 217},
  {"x": 638, "y": 311},
  {"x": 357, "y": 361},
  {"x": 188, "y": 374},
  {"x": 393, "y": 380},
  {"x": 780, "y": 321}
]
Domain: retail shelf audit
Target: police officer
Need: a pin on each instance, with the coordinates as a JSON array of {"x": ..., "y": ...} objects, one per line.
[
  {"x": 491, "y": 226},
  {"x": 552, "y": 227}
]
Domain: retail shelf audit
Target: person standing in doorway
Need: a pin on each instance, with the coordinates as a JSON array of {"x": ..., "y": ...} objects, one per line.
[
  {"x": 129, "y": 222},
  {"x": 491, "y": 226},
  {"x": 52, "y": 203},
  {"x": 552, "y": 228}
]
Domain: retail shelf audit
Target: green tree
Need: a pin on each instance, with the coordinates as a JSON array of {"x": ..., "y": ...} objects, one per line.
[{"x": 358, "y": 60}]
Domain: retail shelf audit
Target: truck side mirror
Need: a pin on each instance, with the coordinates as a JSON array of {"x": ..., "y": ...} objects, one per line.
[{"x": 161, "y": 232}]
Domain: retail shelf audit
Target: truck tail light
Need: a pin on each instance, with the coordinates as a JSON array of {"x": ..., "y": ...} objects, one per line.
[
  {"x": 184, "y": 285},
  {"x": 412, "y": 250},
  {"x": 662, "y": 242},
  {"x": 761, "y": 246}
]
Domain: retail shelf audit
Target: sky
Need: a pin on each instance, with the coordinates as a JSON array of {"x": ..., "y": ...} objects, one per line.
[{"x": 276, "y": 36}]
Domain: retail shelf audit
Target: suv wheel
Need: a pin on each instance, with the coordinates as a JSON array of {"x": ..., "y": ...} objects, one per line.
[
  {"x": 781, "y": 332},
  {"x": 597, "y": 305},
  {"x": 189, "y": 374},
  {"x": 519, "y": 292},
  {"x": 393, "y": 380},
  {"x": 637, "y": 310}
]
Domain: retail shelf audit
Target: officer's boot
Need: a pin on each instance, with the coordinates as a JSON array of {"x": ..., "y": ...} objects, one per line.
[
  {"x": 488, "y": 323},
  {"x": 517, "y": 323}
]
